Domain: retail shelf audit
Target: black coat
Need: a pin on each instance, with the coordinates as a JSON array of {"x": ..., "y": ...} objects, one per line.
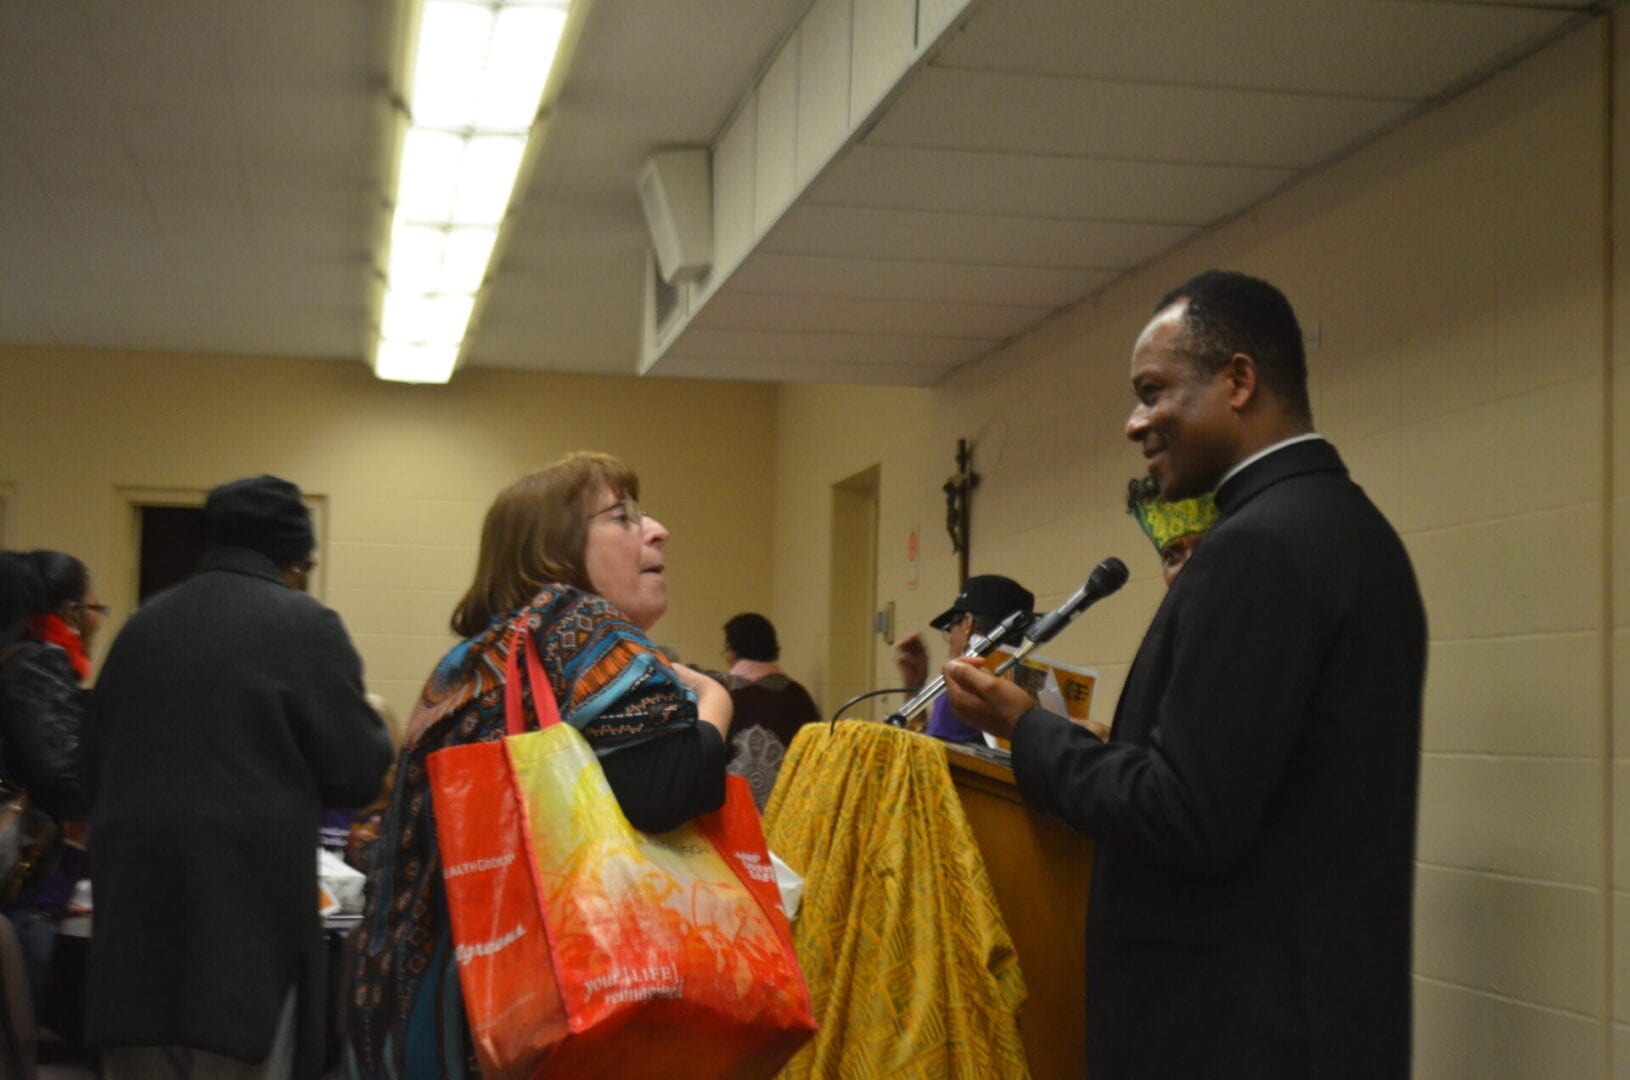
[
  {"x": 229, "y": 712},
  {"x": 1254, "y": 811},
  {"x": 42, "y": 719}
]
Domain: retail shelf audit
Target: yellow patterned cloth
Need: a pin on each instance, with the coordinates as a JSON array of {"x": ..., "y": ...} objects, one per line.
[{"x": 910, "y": 966}]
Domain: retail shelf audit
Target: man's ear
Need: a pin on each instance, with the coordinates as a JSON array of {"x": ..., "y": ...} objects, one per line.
[{"x": 1242, "y": 375}]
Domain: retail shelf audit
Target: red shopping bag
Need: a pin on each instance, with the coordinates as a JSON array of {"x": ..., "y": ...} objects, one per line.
[{"x": 586, "y": 948}]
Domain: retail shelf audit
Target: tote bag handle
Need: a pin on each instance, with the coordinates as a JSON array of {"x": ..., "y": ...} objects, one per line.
[{"x": 543, "y": 691}]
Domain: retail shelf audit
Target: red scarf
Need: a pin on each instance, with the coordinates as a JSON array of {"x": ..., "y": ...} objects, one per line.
[{"x": 53, "y": 631}]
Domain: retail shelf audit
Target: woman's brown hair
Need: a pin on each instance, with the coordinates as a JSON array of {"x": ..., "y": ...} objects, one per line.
[{"x": 535, "y": 534}]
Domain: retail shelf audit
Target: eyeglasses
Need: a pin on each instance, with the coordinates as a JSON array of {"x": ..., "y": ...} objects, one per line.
[
  {"x": 630, "y": 507},
  {"x": 100, "y": 609}
]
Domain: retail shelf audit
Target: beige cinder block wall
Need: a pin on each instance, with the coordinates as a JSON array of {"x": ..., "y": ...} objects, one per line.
[
  {"x": 404, "y": 473},
  {"x": 1453, "y": 278},
  {"x": 1618, "y": 733}
]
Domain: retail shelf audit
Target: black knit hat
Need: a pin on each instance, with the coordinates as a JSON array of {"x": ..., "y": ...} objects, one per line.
[
  {"x": 989, "y": 595},
  {"x": 262, "y": 513}
]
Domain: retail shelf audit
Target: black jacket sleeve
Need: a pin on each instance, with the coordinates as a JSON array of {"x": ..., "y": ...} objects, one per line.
[
  {"x": 343, "y": 739},
  {"x": 1243, "y": 670},
  {"x": 42, "y": 724},
  {"x": 664, "y": 782}
]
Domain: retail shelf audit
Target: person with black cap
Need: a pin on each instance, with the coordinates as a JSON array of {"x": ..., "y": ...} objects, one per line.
[
  {"x": 229, "y": 712},
  {"x": 985, "y": 600}
]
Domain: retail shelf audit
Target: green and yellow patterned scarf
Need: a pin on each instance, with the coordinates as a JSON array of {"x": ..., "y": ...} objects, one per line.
[{"x": 1164, "y": 521}]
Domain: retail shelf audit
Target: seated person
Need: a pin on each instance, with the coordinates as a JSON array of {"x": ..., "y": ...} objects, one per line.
[
  {"x": 984, "y": 602},
  {"x": 1173, "y": 527},
  {"x": 769, "y": 706}
]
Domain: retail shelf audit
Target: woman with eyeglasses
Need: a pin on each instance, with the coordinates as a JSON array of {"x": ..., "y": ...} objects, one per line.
[
  {"x": 569, "y": 550},
  {"x": 50, "y": 620}
]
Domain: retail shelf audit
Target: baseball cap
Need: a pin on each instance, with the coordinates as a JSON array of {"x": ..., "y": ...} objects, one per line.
[{"x": 986, "y": 594}]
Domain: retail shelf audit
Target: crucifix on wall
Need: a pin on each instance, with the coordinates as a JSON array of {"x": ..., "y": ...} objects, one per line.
[{"x": 958, "y": 494}]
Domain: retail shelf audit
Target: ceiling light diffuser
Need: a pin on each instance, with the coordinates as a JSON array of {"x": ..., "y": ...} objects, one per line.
[{"x": 479, "y": 72}]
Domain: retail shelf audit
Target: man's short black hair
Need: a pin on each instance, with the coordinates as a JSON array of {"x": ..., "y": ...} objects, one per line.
[
  {"x": 752, "y": 637},
  {"x": 1230, "y": 312}
]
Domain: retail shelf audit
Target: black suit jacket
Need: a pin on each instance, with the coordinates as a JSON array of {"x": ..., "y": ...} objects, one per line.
[{"x": 1254, "y": 810}]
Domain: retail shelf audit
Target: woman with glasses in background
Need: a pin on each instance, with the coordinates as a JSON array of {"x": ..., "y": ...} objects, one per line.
[
  {"x": 570, "y": 551},
  {"x": 50, "y": 621}
]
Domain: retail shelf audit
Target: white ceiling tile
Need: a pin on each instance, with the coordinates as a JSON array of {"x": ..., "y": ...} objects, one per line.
[
  {"x": 888, "y": 279},
  {"x": 315, "y": 45},
  {"x": 733, "y": 310},
  {"x": 76, "y": 160},
  {"x": 165, "y": 50},
  {"x": 100, "y": 227},
  {"x": 216, "y": 228},
  {"x": 1376, "y": 49},
  {"x": 1043, "y": 186},
  {"x": 177, "y": 179},
  {"x": 39, "y": 71},
  {"x": 306, "y": 138},
  {"x": 967, "y": 238},
  {"x": 186, "y": 174},
  {"x": 587, "y": 351},
  {"x": 792, "y": 371},
  {"x": 1027, "y": 114},
  {"x": 817, "y": 347}
]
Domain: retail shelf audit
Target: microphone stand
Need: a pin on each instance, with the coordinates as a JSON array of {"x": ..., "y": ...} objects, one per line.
[
  {"x": 868, "y": 694},
  {"x": 1106, "y": 578},
  {"x": 978, "y": 645}
]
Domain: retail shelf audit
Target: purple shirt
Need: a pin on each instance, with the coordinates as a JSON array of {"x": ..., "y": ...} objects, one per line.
[{"x": 945, "y": 724}]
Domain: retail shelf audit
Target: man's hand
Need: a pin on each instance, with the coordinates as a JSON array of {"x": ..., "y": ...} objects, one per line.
[
  {"x": 981, "y": 699},
  {"x": 912, "y": 659}
]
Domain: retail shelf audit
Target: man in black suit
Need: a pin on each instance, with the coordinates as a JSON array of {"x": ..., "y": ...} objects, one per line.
[{"x": 1254, "y": 811}]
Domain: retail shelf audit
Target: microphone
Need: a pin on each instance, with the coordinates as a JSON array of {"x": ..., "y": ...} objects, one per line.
[
  {"x": 1106, "y": 578},
  {"x": 1008, "y": 629}
]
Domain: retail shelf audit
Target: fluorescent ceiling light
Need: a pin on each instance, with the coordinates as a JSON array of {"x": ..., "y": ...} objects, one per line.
[
  {"x": 452, "y": 57},
  {"x": 425, "y": 318},
  {"x": 416, "y": 256},
  {"x": 430, "y": 174},
  {"x": 523, "y": 49},
  {"x": 398, "y": 362},
  {"x": 438, "y": 259},
  {"x": 478, "y": 79},
  {"x": 464, "y": 259},
  {"x": 487, "y": 178}
]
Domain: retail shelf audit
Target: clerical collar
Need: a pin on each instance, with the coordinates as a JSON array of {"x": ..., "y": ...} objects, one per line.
[{"x": 1260, "y": 454}]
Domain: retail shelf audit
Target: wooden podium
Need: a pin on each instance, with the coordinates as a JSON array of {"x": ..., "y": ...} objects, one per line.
[{"x": 1040, "y": 871}]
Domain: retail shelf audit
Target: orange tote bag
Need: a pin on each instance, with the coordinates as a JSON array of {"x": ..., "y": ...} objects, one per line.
[{"x": 589, "y": 949}]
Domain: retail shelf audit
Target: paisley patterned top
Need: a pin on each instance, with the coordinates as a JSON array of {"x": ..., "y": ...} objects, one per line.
[{"x": 404, "y": 1010}]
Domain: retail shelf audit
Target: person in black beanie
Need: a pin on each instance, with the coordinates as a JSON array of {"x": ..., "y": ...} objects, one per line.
[
  {"x": 268, "y": 515},
  {"x": 229, "y": 713}
]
